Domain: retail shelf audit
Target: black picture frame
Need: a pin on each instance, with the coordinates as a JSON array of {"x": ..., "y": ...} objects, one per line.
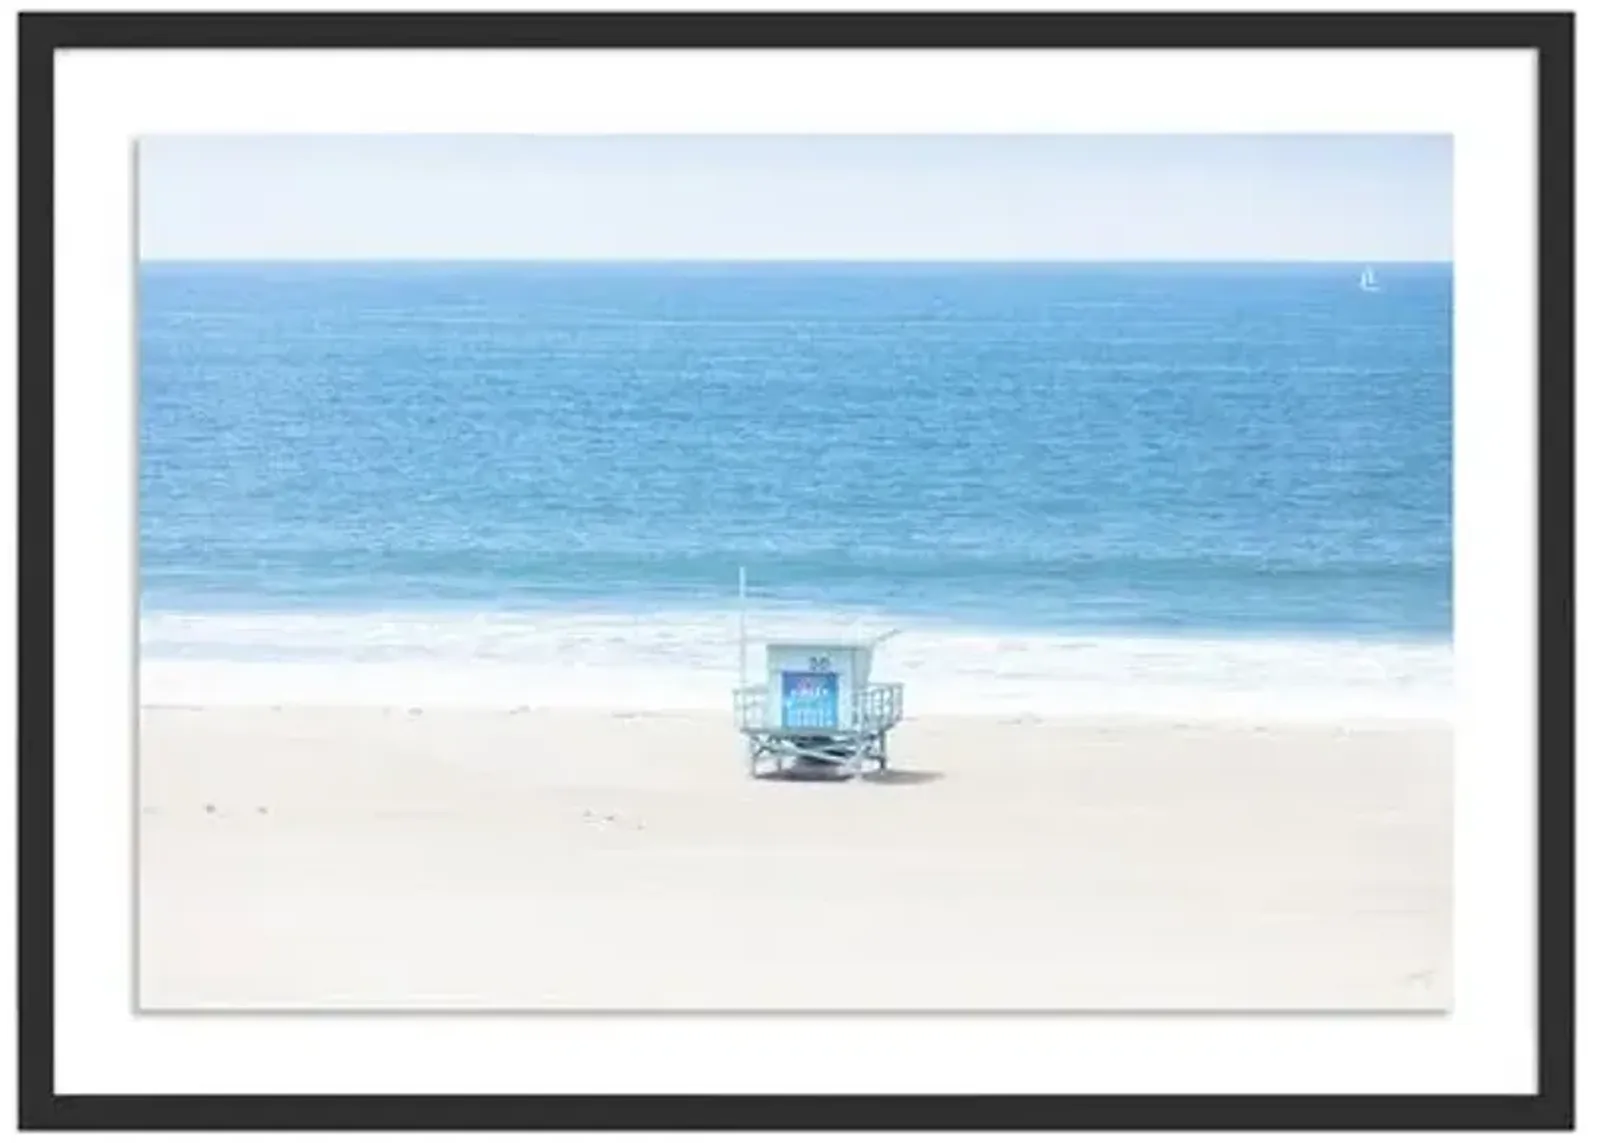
[{"x": 1549, "y": 34}]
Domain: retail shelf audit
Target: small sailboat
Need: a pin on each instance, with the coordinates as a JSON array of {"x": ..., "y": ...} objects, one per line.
[{"x": 1369, "y": 281}]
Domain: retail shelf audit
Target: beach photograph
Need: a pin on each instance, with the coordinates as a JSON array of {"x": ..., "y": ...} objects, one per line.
[{"x": 796, "y": 573}]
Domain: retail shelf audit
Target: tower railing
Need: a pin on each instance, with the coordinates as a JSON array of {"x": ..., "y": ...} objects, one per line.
[{"x": 873, "y": 709}]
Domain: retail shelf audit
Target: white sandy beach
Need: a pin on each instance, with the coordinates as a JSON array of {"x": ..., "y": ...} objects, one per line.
[{"x": 367, "y": 858}]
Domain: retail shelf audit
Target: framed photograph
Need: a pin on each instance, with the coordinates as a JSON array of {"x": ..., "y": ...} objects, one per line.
[{"x": 821, "y": 570}]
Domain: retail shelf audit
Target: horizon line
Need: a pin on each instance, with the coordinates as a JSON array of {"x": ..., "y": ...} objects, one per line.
[{"x": 786, "y": 261}]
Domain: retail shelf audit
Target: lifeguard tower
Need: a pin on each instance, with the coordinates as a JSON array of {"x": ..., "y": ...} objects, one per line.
[{"x": 818, "y": 713}]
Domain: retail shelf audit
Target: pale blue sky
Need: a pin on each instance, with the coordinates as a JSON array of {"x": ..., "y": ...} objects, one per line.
[{"x": 1369, "y": 198}]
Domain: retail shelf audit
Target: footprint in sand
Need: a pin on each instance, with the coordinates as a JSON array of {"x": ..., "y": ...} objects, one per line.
[{"x": 614, "y": 820}]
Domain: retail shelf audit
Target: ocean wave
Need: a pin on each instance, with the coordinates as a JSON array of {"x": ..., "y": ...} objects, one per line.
[{"x": 688, "y": 661}]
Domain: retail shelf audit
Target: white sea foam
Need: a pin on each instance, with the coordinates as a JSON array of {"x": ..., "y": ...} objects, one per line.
[{"x": 689, "y": 661}]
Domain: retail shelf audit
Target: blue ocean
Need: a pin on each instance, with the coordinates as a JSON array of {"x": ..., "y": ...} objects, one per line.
[{"x": 1069, "y": 486}]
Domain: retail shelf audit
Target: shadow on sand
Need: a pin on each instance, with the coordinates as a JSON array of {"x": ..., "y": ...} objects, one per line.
[
  {"x": 901, "y": 777},
  {"x": 823, "y": 773}
]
